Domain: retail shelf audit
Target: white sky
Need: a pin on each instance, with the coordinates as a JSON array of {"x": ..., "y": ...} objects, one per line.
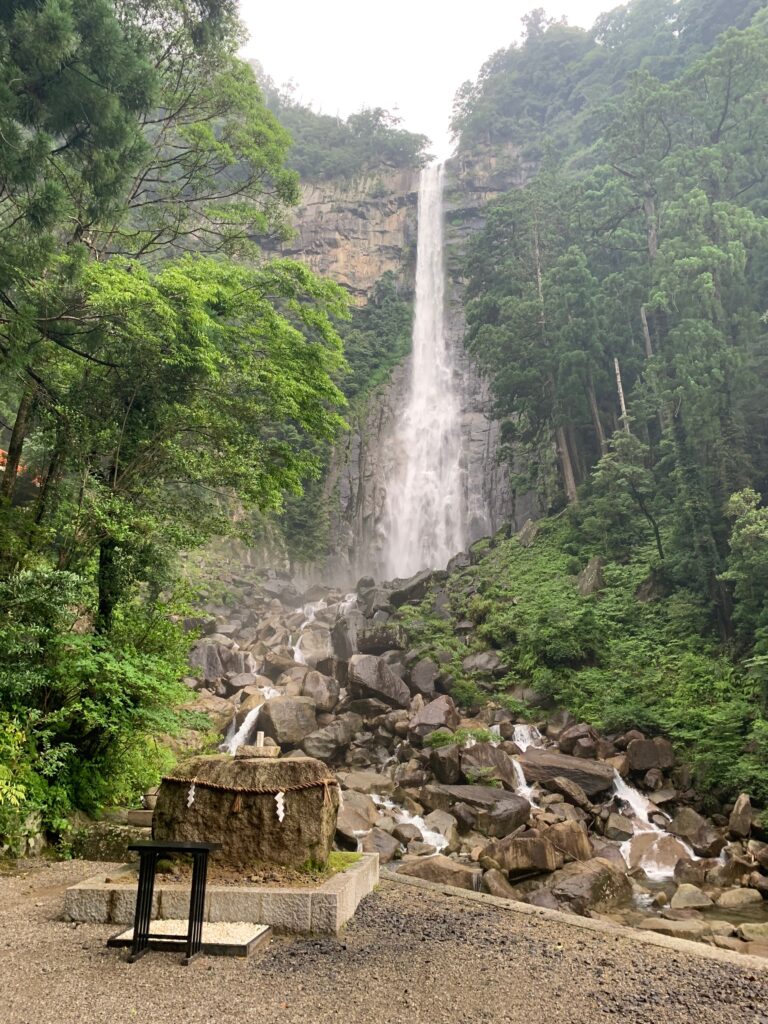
[{"x": 408, "y": 56}]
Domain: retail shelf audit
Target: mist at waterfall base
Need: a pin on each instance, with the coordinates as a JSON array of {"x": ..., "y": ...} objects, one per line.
[{"x": 425, "y": 512}]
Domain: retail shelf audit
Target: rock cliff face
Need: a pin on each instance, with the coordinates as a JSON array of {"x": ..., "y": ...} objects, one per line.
[{"x": 355, "y": 233}]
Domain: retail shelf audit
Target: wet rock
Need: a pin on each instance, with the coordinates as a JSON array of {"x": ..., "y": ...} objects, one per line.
[
  {"x": 375, "y": 600},
  {"x": 288, "y": 720},
  {"x": 595, "y": 884},
  {"x": 445, "y": 825},
  {"x": 740, "y": 820},
  {"x": 542, "y": 765},
  {"x": 423, "y": 676},
  {"x": 381, "y": 842},
  {"x": 440, "y": 713},
  {"x": 686, "y": 929},
  {"x": 323, "y": 690},
  {"x": 520, "y": 855},
  {"x": 572, "y": 791},
  {"x": 690, "y": 825},
  {"x": 275, "y": 664},
  {"x": 407, "y": 833},
  {"x": 690, "y": 897},
  {"x": 418, "y": 849},
  {"x": 619, "y": 828},
  {"x": 460, "y": 561},
  {"x": 444, "y": 871},
  {"x": 643, "y": 754},
  {"x": 446, "y": 764},
  {"x": 370, "y": 677},
  {"x": 315, "y": 645}
]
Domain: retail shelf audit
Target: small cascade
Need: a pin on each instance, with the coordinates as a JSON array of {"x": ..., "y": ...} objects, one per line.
[
  {"x": 238, "y": 737},
  {"x": 349, "y": 604},
  {"x": 650, "y": 848},
  {"x": 310, "y": 613},
  {"x": 523, "y": 789},
  {"x": 527, "y": 736},
  {"x": 403, "y": 817}
]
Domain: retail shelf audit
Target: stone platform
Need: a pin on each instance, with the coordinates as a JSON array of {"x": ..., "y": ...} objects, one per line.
[
  {"x": 292, "y": 910},
  {"x": 220, "y": 939}
]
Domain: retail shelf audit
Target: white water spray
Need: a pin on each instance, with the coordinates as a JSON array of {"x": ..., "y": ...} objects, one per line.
[
  {"x": 425, "y": 510},
  {"x": 650, "y": 848},
  {"x": 236, "y": 737},
  {"x": 526, "y": 736}
]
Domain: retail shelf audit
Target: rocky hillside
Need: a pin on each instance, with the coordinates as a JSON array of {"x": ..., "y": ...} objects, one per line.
[{"x": 452, "y": 775}]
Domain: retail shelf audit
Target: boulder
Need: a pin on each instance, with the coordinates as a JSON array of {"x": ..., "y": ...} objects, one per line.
[
  {"x": 370, "y": 677},
  {"x": 619, "y": 828},
  {"x": 381, "y": 637},
  {"x": 572, "y": 791},
  {"x": 485, "y": 763},
  {"x": 495, "y": 882},
  {"x": 527, "y": 533},
  {"x": 323, "y": 690},
  {"x": 570, "y": 736},
  {"x": 685, "y": 929},
  {"x": 521, "y": 855},
  {"x": 315, "y": 645},
  {"x": 754, "y": 931},
  {"x": 288, "y": 720},
  {"x": 491, "y": 811},
  {"x": 689, "y": 825},
  {"x": 666, "y": 753},
  {"x": 689, "y": 897},
  {"x": 381, "y": 842},
  {"x": 445, "y": 763},
  {"x": 739, "y": 898},
  {"x": 571, "y": 839},
  {"x": 375, "y": 600},
  {"x": 413, "y": 589},
  {"x": 558, "y": 723},
  {"x": 642, "y": 754},
  {"x": 590, "y": 580},
  {"x": 445, "y": 825},
  {"x": 542, "y": 765},
  {"x": 595, "y": 884},
  {"x": 368, "y": 782},
  {"x": 330, "y": 742},
  {"x": 240, "y": 813},
  {"x": 740, "y": 820},
  {"x": 406, "y": 833},
  {"x": 423, "y": 676},
  {"x": 206, "y": 657},
  {"x": 440, "y": 713},
  {"x": 443, "y": 871},
  {"x": 487, "y": 663}
]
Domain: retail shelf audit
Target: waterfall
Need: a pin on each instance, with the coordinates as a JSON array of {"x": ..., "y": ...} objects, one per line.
[
  {"x": 425, "y": 504},
  {"x": 650, "y": 848}
]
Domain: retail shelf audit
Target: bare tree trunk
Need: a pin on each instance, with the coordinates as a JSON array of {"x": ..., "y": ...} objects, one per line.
[
  {"x": 646, "y": 333},
  {"x": 620, "y": 390},
  {"x": 566, "y": 465},
  {"x": 649, "y": 209},
  {"x": 599, "y": 432},
  {"x": 18, "y": 434}
]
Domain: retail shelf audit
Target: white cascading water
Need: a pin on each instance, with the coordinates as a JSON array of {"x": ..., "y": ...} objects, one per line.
[
  {"x": 526, "y": 736},
  {"x": 425, "y": 505},
  {"x": 650, "y": 848},
  {"x": 236, "y": 737}
]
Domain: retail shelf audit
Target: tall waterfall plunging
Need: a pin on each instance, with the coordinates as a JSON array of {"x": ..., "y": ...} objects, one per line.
[{"x": 425, "y": 513}]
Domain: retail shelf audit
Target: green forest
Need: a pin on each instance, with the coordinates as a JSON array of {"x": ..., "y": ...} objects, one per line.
[{"x": 164, "y": 383}]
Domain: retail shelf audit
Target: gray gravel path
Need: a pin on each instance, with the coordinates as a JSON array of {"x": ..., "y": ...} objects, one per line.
[{"x": 409, "y": 957}]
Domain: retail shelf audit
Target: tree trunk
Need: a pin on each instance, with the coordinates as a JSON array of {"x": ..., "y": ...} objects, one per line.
[
  {"x": 18, "y": 434},
  {"x": 599, "y": 432},
  {"x": 649, "y": 209},
  {"x": 566, "y": 465},
  {"x": 51, "y": 477},
  {"x": 108, "y": 584}
]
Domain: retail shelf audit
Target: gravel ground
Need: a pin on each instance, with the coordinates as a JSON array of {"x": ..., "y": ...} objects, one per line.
[{"x": 409, "y": 957}]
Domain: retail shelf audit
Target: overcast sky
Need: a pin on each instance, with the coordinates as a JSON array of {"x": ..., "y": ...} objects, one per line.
[{"x": 408, "y": 56}]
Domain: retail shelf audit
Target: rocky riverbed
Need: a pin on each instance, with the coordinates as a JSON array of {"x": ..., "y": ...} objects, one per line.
[{"x": 541, "y": 810}]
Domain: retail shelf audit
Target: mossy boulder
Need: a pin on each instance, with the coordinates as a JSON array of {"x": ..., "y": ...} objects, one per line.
[{"x": 234, "y": 804}]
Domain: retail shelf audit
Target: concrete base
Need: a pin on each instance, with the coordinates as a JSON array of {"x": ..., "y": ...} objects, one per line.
[
  {"x": 219, "y": 939},
  {"x": 319, "y": 910}
]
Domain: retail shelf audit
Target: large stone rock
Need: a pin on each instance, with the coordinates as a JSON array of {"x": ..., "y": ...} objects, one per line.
[
  {"x": 413, "y": 589},
  {"x": 440, "y": 713},
  {"x": 423, "y": 676},
  {"x": 703, "y": 837},
  {"x": 486, "y": 663},
  {"x": 690, "y": 897},
  {"x": 368, "y": 782},
  {"x": 495, "y": 882},
  {"x": 542, "y": 765},
  {"x": 740, "y": 821},
  {"x": 206, "y": 657},
  {"x": 370, "y": 677},
  {"x": 619, "y": 828},
  {"x": 445, "y": 825},
  {"x": 642, "y": 754},
  {"x": 521, "y": 855},
  {"x": 323, "y": 690},
  {"x": 288, "y": 720},
  {"x": 590, "y": 580},
  {"x": 315, "y": 645},
  {"x": 572, "y": 792},
  {"x": 445, "y": 763},
  {"x": 594, "y": 884},
  {"x": 381, "y": 842},
  {"x": 330, "y": 742},
  {"x": 485, "y": 763},
  {"x": 380, "y": 637},
  {"x": 444, "y": 871},
  {"x": 494, "y": 812},
  {"x": 241, "y": 812},
  {"x": 571, "y": 839},
  {"x": 570, "y": 737}
]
